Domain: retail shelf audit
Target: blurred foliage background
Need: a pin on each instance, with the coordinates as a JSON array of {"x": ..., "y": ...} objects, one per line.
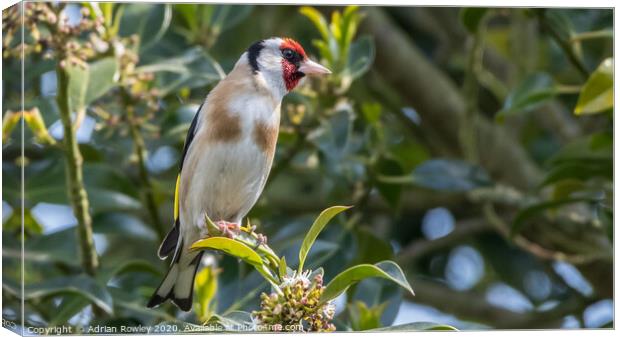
[{"x": 475, "y": 144}]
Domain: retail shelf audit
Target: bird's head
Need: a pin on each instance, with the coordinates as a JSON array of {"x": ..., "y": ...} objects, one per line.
[{"x": 282, "y": 62}]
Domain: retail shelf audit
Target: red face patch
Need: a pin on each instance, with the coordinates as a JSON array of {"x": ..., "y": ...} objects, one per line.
[
  {"x": 290, "y": 75},
  {"x": 292, "y": 55}
]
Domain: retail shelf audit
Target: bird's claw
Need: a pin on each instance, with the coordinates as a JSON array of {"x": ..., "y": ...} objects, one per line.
[{"x": 228, "y": 229}]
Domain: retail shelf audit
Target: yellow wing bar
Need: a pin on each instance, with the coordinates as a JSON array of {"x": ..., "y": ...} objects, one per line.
[{"x": 176, "y": 198}]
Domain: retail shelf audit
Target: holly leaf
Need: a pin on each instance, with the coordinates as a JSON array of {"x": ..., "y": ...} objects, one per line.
[
  {"x": 597, "y": 95},
  {"x": 385, "y": 269},
  {"x": 316, "y": 228}
]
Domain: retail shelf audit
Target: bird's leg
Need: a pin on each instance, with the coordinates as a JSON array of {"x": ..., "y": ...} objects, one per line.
[{"x": 228, "y": 229}]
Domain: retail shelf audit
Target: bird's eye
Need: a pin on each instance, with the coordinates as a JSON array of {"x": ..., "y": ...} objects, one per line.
[{"x": 288, "y": 54}]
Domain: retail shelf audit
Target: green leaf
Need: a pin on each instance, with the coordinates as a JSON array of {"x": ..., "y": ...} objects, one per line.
[
  {"x": 471, "y": 17},
  {"x": 317, "y": 19},
  {"x": 596, "y": 147},
  {"x": 162, "y": 16},
  {"x": 529, "y": 94},
  {"x": 188, "y": 13},
  {"x": 149, "y": 21},
  {"x": 324, "y": 52},
  {"x": 335, "y": 26},
  {"x": 133, "y": 302},
  {"x": 193, "y": 68},
  {"x": 238, "y": 250},
  {"x": 282, "y": 267},
  {"x": 390, "y": 192},
  {"x": 106, "y": 10},
  {"x": 370, "y": 247},
  {"x": 409, "y": 154},
  {"x": 361, "y": 56},
  {"x": 68, "y": 308},
  {"x": 350, "y": 22},
  {"x": 560, "y": 22},
  {"x": 205, "y": 286},
  {"x": 417, "y": 326},
  {"x": 80, "y": 285},
  {"x": 233, "y": 321},
  {"x": 101, "y": 78},
  {"x": 9, "y": 121},
  {"x": 565, "y": 188},
  {"x": 385, "y": 269},
  {"x": 78, "y": 83},
  {"x": 228, "y": 16},
  {"x": 526, "y": 213},
  {"x": 37, "y": 125},
  {"x": 364, "y": 318},
  {"x": 450, "y": 175},
  {"x": 57, "y": 248},
  {"x": 316, "y": 228},
  {"x": 15, "y": 222},
  {"x": 371, "y": 112},
  {"x": 133, "y": 266},
  {"x": 113, "y": 30},
  {"x": 597, "y": 95},
  {"x": 341, "y": 125},
  {"x": 231, "y": 247},
  {"x": 581, "y": 171},
  {"x": 108, "y": 201}
]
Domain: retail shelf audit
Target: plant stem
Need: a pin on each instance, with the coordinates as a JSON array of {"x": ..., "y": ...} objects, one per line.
[
  {"x": 536, "y": 249},
  {"x": 75, "y": 181},
  {"x": 399, "y": 180},
  {"x": 566, "y": 46},
  {"x": 597, "y": 34},
  {"x": 140, "y": 151},
  {"x": 568, "y": 89}
]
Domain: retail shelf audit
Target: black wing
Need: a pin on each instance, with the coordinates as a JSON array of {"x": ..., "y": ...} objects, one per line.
[
  {"x": 169, "y": 245},
  {"x": 190, "y": 136}
]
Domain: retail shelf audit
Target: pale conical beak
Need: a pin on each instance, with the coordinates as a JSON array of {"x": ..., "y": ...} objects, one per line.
[{"x": 310, "y": 67}]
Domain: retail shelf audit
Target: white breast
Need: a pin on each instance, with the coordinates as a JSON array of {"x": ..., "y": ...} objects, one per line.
[{"x": 228, "y": 177}]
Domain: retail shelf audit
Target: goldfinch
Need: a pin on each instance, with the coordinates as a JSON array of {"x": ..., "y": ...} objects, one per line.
[{"x": 228, "y": 154}]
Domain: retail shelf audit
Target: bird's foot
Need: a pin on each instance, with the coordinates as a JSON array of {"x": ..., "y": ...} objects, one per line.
[{"x": 228, "y": 229}]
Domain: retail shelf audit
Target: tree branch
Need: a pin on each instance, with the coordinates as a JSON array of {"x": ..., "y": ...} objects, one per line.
[
  {"x": 440, "y": 104},
  {"x": 463, "y": 230},
  {"x": 141, "y": 154},
  {"x": 471, "y": 305},
  {"x": 498, "y": 74},
  {"x": 467, "y": 130},
  {"x": 75, "y": 180},
  {"x": 533, "y": 247}
]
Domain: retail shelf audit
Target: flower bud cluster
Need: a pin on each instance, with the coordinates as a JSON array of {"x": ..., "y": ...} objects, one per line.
[
  {"x": 297, "y": 304},
  {"x": 47, "y": 31},
  {"x": 138, "y": 84}
]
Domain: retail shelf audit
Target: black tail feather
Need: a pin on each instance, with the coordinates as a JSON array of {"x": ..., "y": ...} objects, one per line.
[
  {"x": 184, "y": 304},
  {"x": 156, "y": 300},
  {"x": 169, "y": 245}
]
